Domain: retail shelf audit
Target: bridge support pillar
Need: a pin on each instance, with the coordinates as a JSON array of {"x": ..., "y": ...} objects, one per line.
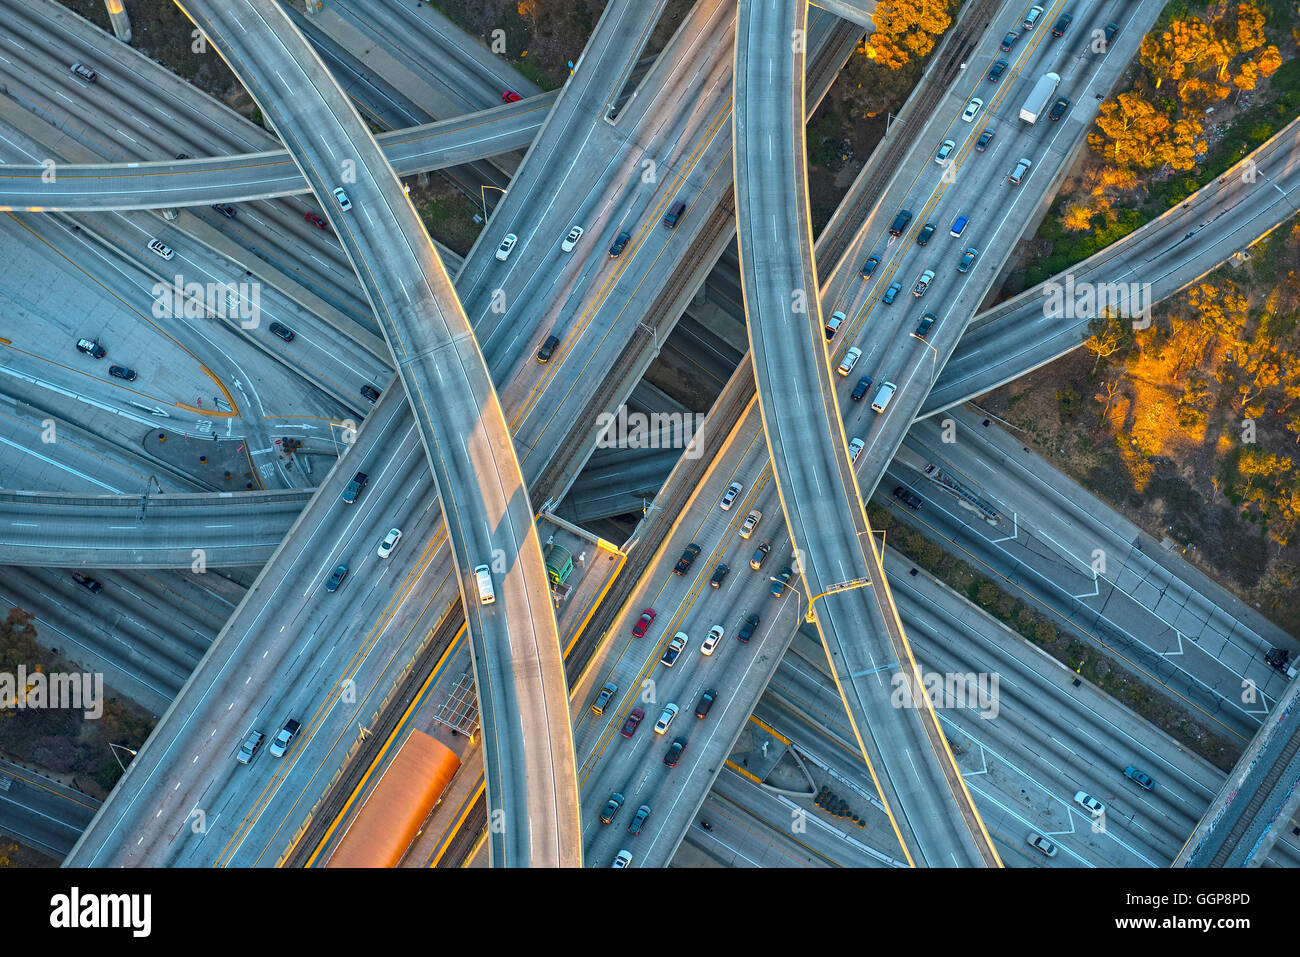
[{"x": 121, "y": 22}]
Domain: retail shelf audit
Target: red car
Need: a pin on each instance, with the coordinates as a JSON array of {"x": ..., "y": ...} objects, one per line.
[
  {"x": 315, "y": 220},
  {"x": 510, "y": 96},
  {"x": 642, "y": 623},
  {"x": 633, "y": 720}
]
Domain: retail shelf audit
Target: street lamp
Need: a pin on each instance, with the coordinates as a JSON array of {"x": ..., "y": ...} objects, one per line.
[
  {"x": 483, "y": 196},
  {"x": 120, "y": 747}
]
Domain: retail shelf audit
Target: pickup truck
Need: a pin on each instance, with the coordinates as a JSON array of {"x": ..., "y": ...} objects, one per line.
[
  {"x": 674, "y": 649},
  {"x": 689, "y": 554},
  {"x": 355, "y": 486}
]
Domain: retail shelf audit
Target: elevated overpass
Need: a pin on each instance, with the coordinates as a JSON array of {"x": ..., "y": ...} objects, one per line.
[
  {"x": 268, "y": 175},
  {"x": 516, "y": 650},
  {"x": 932, "y": 813},
  {"x": 221, "y": 529}
]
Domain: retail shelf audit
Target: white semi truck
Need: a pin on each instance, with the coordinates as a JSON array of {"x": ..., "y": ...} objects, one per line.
[{"x": 1038, "y": 97}]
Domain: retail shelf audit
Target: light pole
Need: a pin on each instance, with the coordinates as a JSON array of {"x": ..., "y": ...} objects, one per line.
[
  {"x": 934, "y": 356},
  {"x": 483, "y": 196},
  {"x": 120, "y": 747}
]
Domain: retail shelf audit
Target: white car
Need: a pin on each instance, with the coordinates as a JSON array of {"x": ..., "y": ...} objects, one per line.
[
  {"x": 571, "y": 240},
  {"x": 623, "y": 860},
  {"x": 1042, "y": 844},
  {"x": 855, "y": 449},
  {"x": 751, "y": 522},
  {"x": 972, "y": 109},
  {"x": 923, "y": 283},
  {"x": 1089, "y": 803},
  {"x": 1032, "y": 17},
  {"x": 945, "y": 150},
  {"x": 390, "y": 542},
  {"x": 665, "y": 719},
  {"x": 344, "y": 203},
  {"x": 849, "y": 361},
  {"x": 507, "y": 244},
  {"x": 711, "y": 640},
  {"x": 729, "y": 496}
]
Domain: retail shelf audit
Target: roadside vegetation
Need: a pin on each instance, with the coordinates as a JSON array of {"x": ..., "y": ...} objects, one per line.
[
  {"x": 63, "y": 743},
  {"x": 875, "y": 83},
  {"x": 999, "y": 598},
  {"x": 1211, "y": 83},
  {"x": 1190, "y": 427}
]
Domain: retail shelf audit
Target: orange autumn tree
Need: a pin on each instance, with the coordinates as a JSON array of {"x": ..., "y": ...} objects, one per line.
[{"x": 906, "y": 30}]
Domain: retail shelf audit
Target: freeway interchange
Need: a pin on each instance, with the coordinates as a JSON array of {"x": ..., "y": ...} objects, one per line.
[{"x": 474, "y": 437}]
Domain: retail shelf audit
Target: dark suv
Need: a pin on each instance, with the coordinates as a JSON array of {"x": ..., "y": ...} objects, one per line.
[
  {"x": 908, "y": 498},
  {"x": 719, "y": 574},
  {"x": 861, "y": 388},
  {"x": 85, "y": 581},
  {"x": 1058, "y": 109},
  {"x": 548, "y": 349},
  {"x": 924, "y": 235},
  {"x": 900, "y": 222},
  {"x": 747, "y": 629}
]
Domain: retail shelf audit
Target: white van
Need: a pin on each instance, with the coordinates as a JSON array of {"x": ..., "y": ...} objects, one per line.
[
  {"x": 486, "y": 595},
  {"x": 883, "y": 396}
]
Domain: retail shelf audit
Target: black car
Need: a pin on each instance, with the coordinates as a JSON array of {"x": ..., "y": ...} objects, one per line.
[
  {"x": 870, "y": 266},
  {"x": 1009, "y": 41},
  {"x": 674, "y": 752},
  {"x": 85, "y": 581},
  {"x": 781, "y": 580},
  {"x": 1058, "y": 109},
  {"x": 370, "y": 392},
  {"x": 638, "y": 822},
  {"x": 184, "y": 156},
  {"x": 620, "y": 243},
  {"x": 1058, "y": 29},
  {"x": 706, "y": 702},
  {"x": 611, "y": 808},
  {"x": 548, "y": 349},
  {"x": 908, "y": 498},
  {"x": 284, "y": 332},
  {"x": 760, "y": 555},
  {"x": 900, "y": 222},
  {"x": 336, "y": 578},
  {"x": 924, "y": 326},
  {"x": 122, "y": 372},
  {"x": 747, "y": 629},
  {"x": 689, "y": 554},
  {"x": 924, "y": 235},
  {"x": 998, "y": 69},
  {"x": 1111, "y": 30},
  {"x": 861, "y": 388},
  {"x": 982, "y": 143},
  {"x": 225, "y": 209},
  {"x": 719, "y": 574}
]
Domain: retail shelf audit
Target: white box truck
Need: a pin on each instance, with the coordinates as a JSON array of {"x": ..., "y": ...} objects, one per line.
[{"x": 1038, "y": 97}]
